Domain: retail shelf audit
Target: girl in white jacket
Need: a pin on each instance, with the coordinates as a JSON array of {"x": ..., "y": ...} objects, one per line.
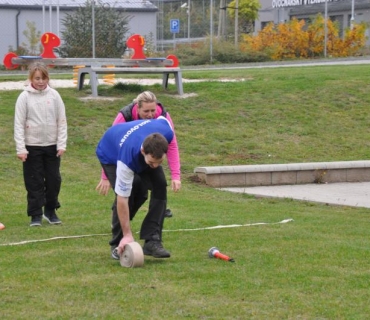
[{"x": 40, "y": 134}]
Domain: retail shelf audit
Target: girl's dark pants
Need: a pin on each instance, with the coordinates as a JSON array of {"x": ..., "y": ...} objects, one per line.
[
  {"x": 41, "y": 173},
  {"x": 150, "y": 179}
]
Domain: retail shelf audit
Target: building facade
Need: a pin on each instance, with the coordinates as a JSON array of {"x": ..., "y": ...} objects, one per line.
[{"x": 343, "y": 11}]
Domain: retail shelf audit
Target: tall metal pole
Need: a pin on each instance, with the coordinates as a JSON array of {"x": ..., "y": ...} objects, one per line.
[
  {"x": 50, "y": 15},
  {"x": 236, "y": 23},
  {"x": 93, "y": 27},
  {"x": 326, "y": 27},
  {"x": 162, "y": 26},
  {"x": 43, "y": 16},
  {"x": 188, "y": 19},
  {"x": 353, "y": 14},
  {"x": 211, "y": 32},
  {"x": 58, "y": 17},
  {"x": 220, "y": 19}
]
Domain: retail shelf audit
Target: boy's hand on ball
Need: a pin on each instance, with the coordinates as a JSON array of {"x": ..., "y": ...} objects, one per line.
[{"x": 125, "y": 240}]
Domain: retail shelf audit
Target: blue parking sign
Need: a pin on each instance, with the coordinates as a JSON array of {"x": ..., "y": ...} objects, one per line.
[{"x": 175, "y": 25}]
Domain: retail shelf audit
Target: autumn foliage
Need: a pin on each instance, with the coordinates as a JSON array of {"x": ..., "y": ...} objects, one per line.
[{"x": 299, "y": 39}]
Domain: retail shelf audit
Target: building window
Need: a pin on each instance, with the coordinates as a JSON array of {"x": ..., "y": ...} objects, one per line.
[{"x": 264, "y": 24}]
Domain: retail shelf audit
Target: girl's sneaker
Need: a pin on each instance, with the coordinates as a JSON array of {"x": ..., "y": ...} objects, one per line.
[
  {"x": 36, "y": 221},
  {"x": 51, "y": 217}
]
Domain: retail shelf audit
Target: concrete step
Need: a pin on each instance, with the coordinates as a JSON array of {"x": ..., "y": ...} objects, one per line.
[{"x": 284, "y": 174}]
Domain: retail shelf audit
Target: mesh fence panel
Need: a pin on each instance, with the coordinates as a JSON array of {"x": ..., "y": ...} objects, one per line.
[{"x": 100, "y": 28}]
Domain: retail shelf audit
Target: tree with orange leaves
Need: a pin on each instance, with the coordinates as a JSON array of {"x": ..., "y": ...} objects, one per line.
[{"x": 298, "y": 39}]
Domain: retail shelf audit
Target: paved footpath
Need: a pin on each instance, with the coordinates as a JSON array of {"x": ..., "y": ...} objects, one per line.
[{"x": 347, "y": 194}]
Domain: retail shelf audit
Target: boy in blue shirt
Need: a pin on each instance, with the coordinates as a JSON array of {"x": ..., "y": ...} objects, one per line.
[{"x": 137, "y": 147}]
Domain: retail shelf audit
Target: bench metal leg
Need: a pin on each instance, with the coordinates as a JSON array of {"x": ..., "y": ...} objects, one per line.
[
  {"x": 178, "y": 81},
  {"x": 165, "y": 80},
  {"x": 80, "y": 81},
  {"x": 94, "y": 82}
]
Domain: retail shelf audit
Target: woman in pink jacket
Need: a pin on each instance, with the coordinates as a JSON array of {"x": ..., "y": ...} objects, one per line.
[{"x": 145, "y": 106}]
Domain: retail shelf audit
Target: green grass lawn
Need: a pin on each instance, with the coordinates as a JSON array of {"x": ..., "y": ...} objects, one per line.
[{"x": 316, "y": 267}]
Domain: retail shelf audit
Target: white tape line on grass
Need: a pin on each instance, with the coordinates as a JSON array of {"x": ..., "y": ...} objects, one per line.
[
  {"x": 232, "y": 226},
  {"x": 177, "y": 230},
  {"x": 51, "y": 239}
]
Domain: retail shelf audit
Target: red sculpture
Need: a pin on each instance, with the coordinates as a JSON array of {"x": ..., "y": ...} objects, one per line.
[
  {"x": 49, "y": 41},
  {"x": 137, "y": 42}
]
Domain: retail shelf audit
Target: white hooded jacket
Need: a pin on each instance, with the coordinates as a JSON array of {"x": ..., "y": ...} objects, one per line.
[{"x": 40, "y": 119}]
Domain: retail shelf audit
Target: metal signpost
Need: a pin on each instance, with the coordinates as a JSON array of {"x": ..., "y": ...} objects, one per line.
[{"x": 175, "y": 28}]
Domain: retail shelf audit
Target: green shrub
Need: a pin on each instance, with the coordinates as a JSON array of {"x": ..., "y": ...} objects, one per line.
[{"x": 222, "y": 52}]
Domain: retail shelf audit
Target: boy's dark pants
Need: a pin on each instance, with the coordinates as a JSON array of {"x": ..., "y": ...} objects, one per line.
[
  {"x": 150, "y": 179},
  {"x": 41, "y": 172}
]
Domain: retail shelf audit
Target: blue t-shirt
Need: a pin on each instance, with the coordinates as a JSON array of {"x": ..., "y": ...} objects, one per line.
[{"x": 122, "y": 142}]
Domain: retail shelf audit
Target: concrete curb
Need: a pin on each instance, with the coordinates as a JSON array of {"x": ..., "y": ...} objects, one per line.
[{"x": 284, "y": 174}]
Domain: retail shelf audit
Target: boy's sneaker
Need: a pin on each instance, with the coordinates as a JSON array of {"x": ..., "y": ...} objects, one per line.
[
  {"x": 51, "y": 217},
  {"x": 154, "y": 248},
  {"x": 36, "y": 221},
  {"x": 114, "y": 253}
]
